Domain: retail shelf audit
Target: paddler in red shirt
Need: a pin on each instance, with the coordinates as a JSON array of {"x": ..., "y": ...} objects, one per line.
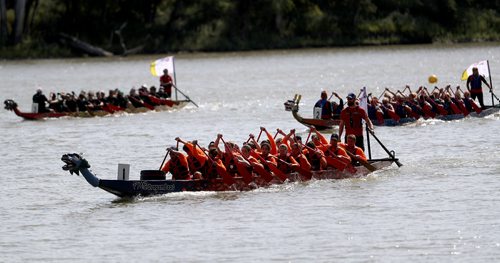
[
  {"x": 166, "y": 82},
  {"x": 351, "y": 118}
]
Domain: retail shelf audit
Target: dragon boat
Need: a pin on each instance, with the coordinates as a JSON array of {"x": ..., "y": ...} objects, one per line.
[
  {"x": 163, "y": 105},
  {"x": 153, "y": 182},
  {"x": 320, "y": 124}
]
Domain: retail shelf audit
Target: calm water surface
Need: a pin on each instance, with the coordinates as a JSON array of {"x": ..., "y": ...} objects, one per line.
[{"x": 441, "y": 206}]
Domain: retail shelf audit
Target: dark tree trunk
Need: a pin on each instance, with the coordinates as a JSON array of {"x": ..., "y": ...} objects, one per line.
[
  {"x": 3, "y": 23},
  {"x": 20, "y": 11}
]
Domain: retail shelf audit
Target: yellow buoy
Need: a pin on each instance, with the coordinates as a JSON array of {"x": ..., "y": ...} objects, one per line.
[{"x": 433, "y": 79}]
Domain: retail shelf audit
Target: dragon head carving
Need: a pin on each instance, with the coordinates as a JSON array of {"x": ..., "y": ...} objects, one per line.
[
  {"x": 10, "y": 105},
  {"x": 73, "y": 162}
]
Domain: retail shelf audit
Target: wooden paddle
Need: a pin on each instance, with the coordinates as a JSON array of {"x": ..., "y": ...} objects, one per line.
[
  {"x": 277, "y": 172},
  {"x": 227, "y": 179},
  {"x": 168, "y": 152},
  {"x": 187, "y": 97},
  {"x": 365, "y": 163},
  {"x": 391, "y": 154},
  {"x": 247, "y": 176},
  {"x": 306, "y": 173}
]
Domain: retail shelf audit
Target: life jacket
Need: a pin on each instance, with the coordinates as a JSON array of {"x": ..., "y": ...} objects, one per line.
[
  {"x": 314, "y": 160},
  {"x": 335, "y": 161},
  {"x": 284, "y": 167},
  {"x": 475, "y": 84},
  {"x": 400, "y": 110},
  {"x": 427, "y": 109},
  {"x": 437, "y": 107},
  {"x": 470, "y": 105},
  {"x": 391, "y": 114},
  {"x": 451, "y": 107},
  {"x": 461, "y": 106},
  {"x": 178, "y": 169}
]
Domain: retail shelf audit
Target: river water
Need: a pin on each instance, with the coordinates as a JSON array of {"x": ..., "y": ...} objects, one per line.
[{"x": 441, "y": 206}]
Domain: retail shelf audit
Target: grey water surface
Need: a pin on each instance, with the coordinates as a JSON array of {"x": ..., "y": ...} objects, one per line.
[{"x": 441, "y": 206}]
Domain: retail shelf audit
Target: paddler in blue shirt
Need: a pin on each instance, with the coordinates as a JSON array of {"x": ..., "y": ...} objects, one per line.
[
  {"x": 325, "y": 105},
  {"x": 474, "y": 86}
]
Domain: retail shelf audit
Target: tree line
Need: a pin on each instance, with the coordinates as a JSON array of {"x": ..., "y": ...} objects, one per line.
[{"x": 42, "y": 28}]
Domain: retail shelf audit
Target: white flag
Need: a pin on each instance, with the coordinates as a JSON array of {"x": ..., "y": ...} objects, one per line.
[
  {"x": 482, "y": 67},
  {"x": 159, "y": 65},
  {"x": 363, "y": 101}
]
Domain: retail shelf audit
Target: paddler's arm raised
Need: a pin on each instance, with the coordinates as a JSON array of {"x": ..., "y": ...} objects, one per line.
[
  {"x": 286, "y": 139},
  {"x": 252, "y": 137},
  {"x": 321, "y": 137},
  {"x": 274, "y": 148}
]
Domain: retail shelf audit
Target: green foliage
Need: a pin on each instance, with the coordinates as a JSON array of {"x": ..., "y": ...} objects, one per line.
[{"x": 220, "y": 25}]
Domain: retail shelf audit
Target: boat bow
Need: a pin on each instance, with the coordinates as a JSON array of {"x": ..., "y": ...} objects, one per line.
[{"x": 74, "y": 163}]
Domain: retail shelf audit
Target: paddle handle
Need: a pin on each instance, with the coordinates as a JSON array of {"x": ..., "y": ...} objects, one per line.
[
  {"x": 187, "y": 97},
  {"x": 165, "y": 158},
  {"x": 391, "y": 154}
]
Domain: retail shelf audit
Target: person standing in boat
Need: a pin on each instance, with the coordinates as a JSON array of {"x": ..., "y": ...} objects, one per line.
[
  {"x": 323, "y": 108},
  {"x": 166, "y": 82},
  {"x": 351, "y": 118},
  {"x": 40, "y": 99},
  {"x": 474, "y": 86}
]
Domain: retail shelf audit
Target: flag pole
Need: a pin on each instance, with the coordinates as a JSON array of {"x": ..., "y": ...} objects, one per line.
[
  {"x": 175, "y": 78},
  {"x": 491, "y": 85}
]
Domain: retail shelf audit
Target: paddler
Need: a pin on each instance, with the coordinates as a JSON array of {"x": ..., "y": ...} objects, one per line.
[
  {"x": 196, "y": 158},
  {"x": 177, "y": 165},
  {"x": 336, "y": 151},
  {"x": 286, "y": 162},
  {"x": 356, "y": 153},
  {"x": 325, "y": 105}
]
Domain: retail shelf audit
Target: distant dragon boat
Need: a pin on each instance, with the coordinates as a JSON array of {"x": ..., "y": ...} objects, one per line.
[
  {"x": 163, "y": 105},
  {"x": 153, "y": 182},
  {"x": 320, "y": 124}
]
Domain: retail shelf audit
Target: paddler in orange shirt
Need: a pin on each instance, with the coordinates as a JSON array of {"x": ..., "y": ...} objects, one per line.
[
  {"x": 177, "y": 165},
  {"x": 355, "y": 152},
  {"x": 340, "y": 157},
  {"x": 196, "y": 158},
  {"x": 315, "y": 157},
  {"x": 286, "y": 162},
  {"x": 299, "y": 156}
]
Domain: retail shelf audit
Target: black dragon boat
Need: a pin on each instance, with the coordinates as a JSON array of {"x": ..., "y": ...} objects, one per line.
[
  {"x": 320, "y": 124},
  {"x": 163, "y": 105},
  {"x": 153, "y": 182}
]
